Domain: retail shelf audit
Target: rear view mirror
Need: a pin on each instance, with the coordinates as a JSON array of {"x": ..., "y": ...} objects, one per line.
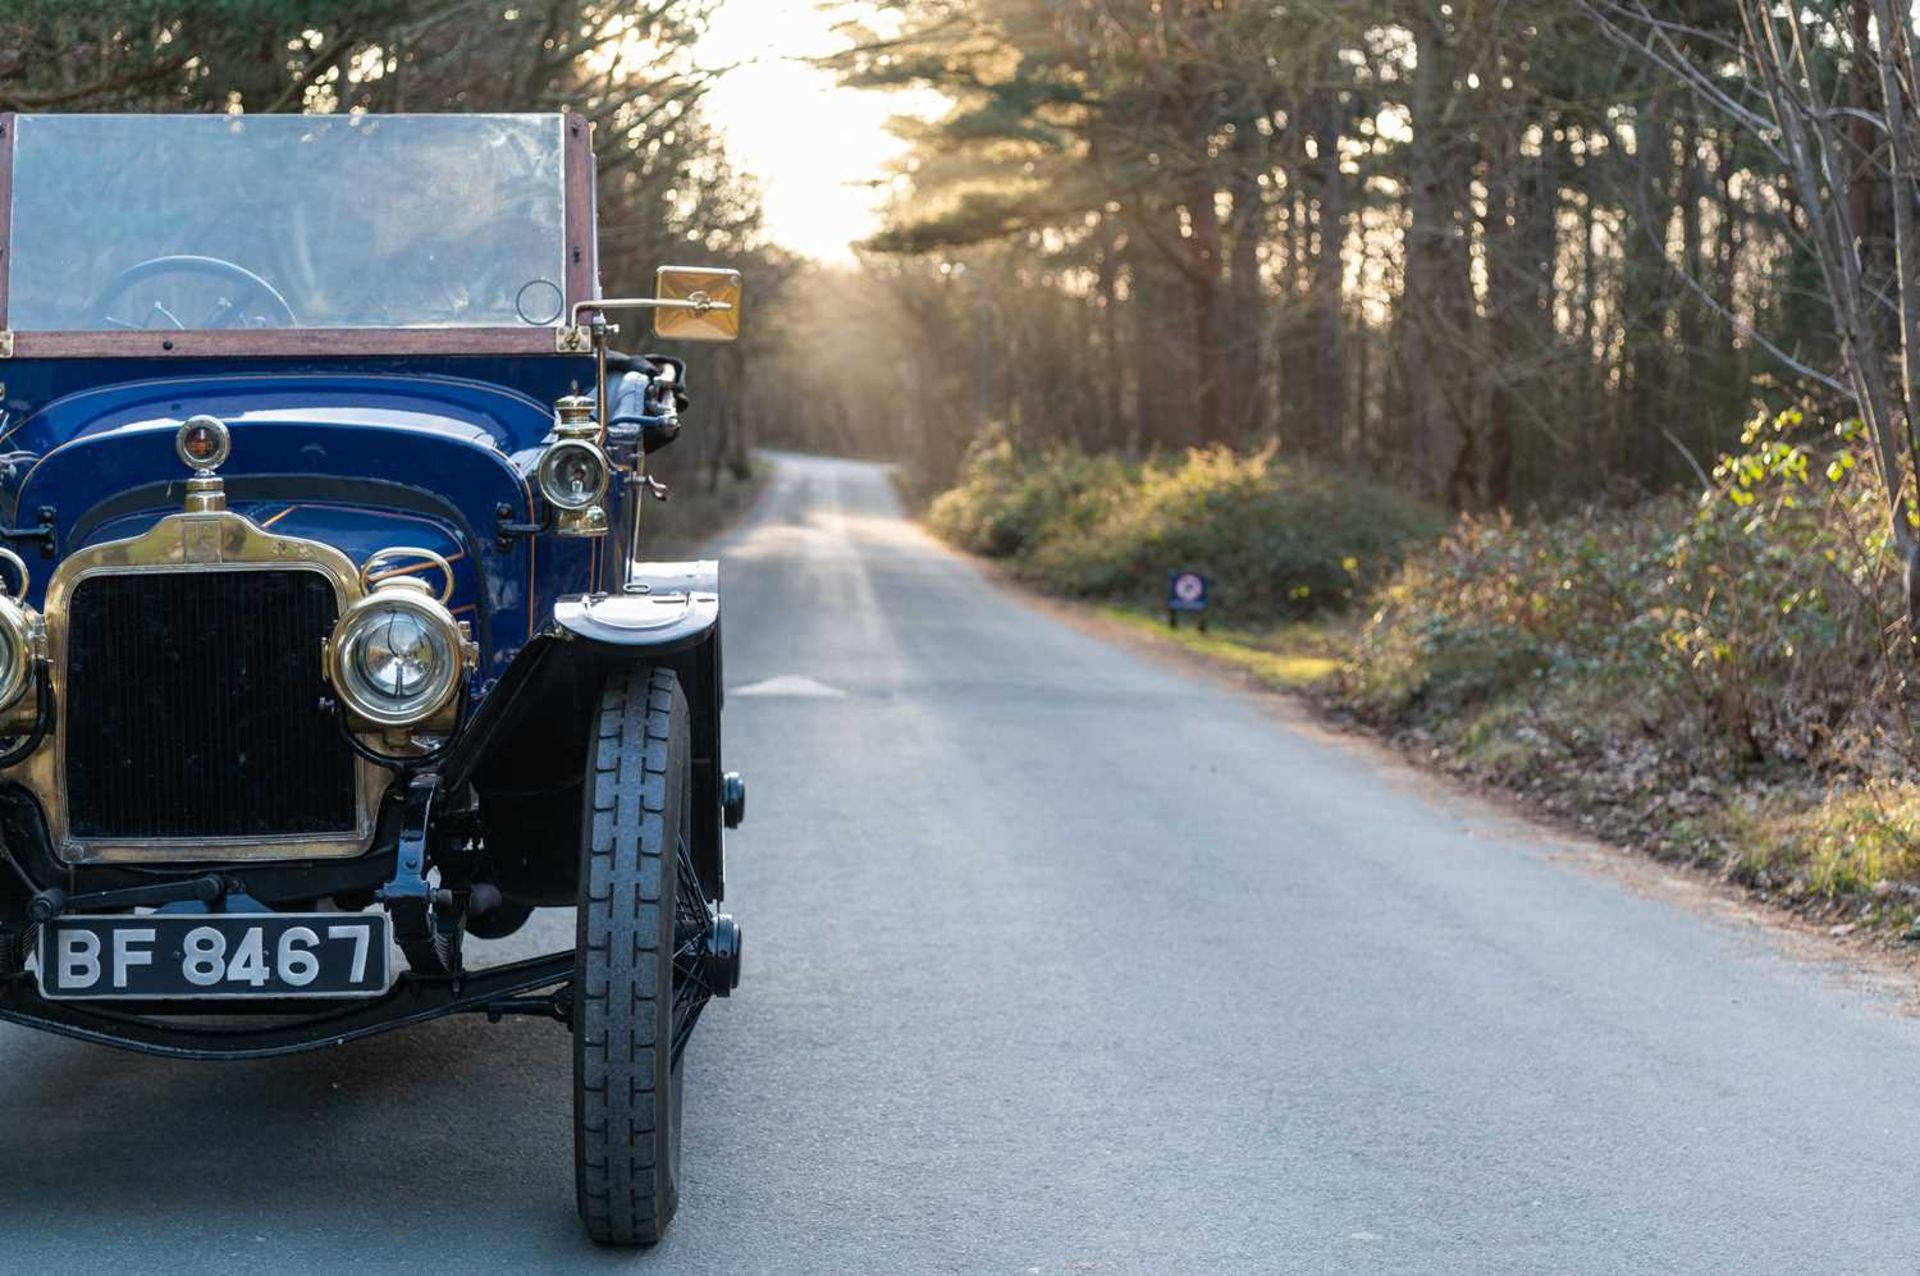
[{"x": 710, "y": 303}]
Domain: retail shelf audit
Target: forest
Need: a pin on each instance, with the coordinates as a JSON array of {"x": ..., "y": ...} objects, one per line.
[
  {"x": 1499, "y": 254},
  {"x": 1536, "y": 380},
  {"x": 1502, "y": 254}
]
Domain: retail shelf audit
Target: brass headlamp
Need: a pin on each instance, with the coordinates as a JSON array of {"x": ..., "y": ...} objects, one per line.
[
  {"x": 23, "y": 638},
  {"x": 397, "y": 658}
]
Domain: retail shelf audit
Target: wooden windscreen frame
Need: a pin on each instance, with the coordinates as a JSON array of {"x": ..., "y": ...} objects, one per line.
[
  {"x": 6, "y": 210},
  {"x": 583, "y": 244},
  {"x": 582, "y": 284}
]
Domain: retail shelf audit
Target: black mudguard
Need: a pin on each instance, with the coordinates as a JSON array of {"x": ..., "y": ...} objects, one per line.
[{"x": 524, "y": 751}]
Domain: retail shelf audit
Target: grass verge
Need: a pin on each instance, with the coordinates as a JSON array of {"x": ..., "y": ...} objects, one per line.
[{"x": 1284, "y": 658}]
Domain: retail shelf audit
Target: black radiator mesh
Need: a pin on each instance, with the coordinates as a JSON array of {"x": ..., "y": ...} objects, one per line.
[{"x": 193, "y": 707}]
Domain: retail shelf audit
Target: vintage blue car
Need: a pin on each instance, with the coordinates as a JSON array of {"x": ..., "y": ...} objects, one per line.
[{"x": 326, "y": 639}]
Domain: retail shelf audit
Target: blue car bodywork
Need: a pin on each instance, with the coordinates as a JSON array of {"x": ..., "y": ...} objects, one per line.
[{"x": 362, "y": 453}]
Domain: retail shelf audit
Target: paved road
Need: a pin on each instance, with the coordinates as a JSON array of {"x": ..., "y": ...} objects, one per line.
[{"x": 1059, "y": 961}]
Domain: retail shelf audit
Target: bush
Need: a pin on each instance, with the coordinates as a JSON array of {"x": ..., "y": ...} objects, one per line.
[
  {"x": 1723, "y": 678},
  {"x": 1278, "y": 538},
  {"x": 1756, "y": 625},
  {"x": 1496, "y": 609},
  {"x": 1007, "y": 501}
]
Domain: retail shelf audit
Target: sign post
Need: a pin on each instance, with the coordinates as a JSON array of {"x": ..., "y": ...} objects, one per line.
[{"x": 1186, "y": 592}]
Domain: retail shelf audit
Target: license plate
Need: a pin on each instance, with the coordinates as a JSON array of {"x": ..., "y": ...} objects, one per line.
[{"x": 214, "y": 956}]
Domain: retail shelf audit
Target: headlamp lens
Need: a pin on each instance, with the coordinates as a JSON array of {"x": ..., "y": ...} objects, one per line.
[{"x": 399, "y": 655}]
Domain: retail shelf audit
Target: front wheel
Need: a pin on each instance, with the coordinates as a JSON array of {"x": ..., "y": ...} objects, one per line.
[{"x": 639, "y": 973}]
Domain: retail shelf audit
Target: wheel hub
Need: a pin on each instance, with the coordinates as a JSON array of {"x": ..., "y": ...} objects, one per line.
[
  {"x": 720, "y": 964},
  {"x": 733, "y": 799}
]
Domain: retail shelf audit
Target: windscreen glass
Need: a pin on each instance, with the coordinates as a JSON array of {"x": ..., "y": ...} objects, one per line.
[{"x": 286, "y": 221}]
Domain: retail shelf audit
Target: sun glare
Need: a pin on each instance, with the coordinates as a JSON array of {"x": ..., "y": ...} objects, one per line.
[{"x": 819, "y": 151}]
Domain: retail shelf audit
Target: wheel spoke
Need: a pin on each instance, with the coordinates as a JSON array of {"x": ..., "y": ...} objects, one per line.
[
  {"x": 690, "y": 901},
  {"x": 683, "y": 1031},
  {"x": 693, "y": 926}
]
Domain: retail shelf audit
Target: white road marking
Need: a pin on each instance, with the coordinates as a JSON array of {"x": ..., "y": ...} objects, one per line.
[{"x": 791, "y": 684}]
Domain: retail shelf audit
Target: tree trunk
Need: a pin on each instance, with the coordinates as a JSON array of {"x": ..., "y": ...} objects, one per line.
[
  {"x": 1436, "y": 281},
  {"x": 1245, "y": 346},
  {"x": 1203, "y": 272},
  {"x": 1647, "y": 293},
  {"x": 1160, "y": 378},
  {"x": 1509, "y": 235},
  {"x": 1328, "y": 307},
  {"x": 1113, "y": 429}
]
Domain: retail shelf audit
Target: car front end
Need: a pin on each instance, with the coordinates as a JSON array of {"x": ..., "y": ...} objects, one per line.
[{"x": 321, "y": 599}]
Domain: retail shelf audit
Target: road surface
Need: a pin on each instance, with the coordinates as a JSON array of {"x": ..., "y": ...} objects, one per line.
[{"x": 1059, "y": 960}]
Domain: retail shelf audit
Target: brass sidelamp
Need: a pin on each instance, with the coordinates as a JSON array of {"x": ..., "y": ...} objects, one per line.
[{"x": 573, "y": 472}]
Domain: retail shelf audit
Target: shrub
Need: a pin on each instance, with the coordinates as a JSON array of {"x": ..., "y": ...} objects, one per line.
[
  {"x": 1278, "y": 538},
  {"x": 1495, "y": 608},
  {"x": 1756, "y": 625},
  {"x": 1007, "y": 501}
]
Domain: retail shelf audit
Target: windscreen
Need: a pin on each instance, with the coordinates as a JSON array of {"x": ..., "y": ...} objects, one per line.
[{"x": 286, "y": 221}]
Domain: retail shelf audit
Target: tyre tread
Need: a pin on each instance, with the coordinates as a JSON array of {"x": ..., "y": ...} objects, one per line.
[{"x": 619, "y": 1041}]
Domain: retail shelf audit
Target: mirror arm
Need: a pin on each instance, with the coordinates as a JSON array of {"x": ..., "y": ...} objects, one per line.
[
  {"x": 579, "y": 339},
  {"x": 704, "y": 305},
  {"x": 601, "y": 408}
]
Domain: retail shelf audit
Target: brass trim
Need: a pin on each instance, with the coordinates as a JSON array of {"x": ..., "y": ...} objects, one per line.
[
  {"x": 206, "y": 493},
  {"x": 192, "y": 542},
  {"x": 19, "y": 566},
  {"x": 371, "y": 580},
  {"x": 573, "y": 417},
  {"x": 590, "y": 521}
]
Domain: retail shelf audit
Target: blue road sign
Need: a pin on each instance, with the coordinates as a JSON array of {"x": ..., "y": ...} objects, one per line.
[{"x": 1186, "y": 591}]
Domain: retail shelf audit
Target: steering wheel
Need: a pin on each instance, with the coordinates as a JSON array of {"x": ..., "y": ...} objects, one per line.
[{"x": 229, "y": 312}]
